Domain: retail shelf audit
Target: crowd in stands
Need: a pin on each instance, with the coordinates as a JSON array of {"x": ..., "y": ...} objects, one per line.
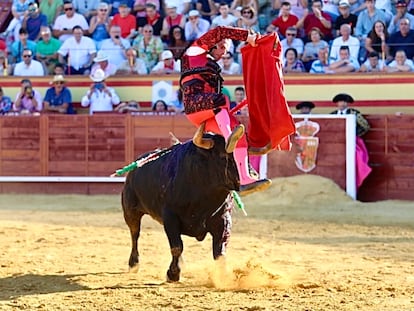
[{"x": 141, "y": 37}]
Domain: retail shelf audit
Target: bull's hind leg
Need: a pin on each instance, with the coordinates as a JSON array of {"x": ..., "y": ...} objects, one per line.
[
  {"x": 134, "y": 224},
  {"x": 172, "y": 229}
]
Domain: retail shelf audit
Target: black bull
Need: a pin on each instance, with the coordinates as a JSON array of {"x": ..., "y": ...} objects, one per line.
[{"x": 185, "y": 189}]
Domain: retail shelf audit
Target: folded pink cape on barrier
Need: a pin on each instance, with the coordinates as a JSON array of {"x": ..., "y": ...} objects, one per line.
[{"x": 361, "y": 162}]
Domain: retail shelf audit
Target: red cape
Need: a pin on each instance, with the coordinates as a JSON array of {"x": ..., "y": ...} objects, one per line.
[{"x": 270, "y": 120}]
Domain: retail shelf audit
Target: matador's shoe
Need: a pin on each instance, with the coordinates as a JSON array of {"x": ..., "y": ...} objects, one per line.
[
  {"x": 260, "y": 150},
  {"x": 234, "y": 137},
  {"x": 258, "y": 185}
]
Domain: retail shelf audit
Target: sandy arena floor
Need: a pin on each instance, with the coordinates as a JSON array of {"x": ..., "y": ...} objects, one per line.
[{"x": 303, "y": 246}]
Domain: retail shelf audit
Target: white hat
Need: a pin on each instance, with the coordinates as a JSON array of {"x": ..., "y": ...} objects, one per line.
[
  {"x": 166, "y": 55},
  {"x": 193, "y": 13},
  {"x": 98, "y": 76},
  {"x": 58, "y": 78},
  {"x": 344, "y": 3},
  {"x": 100, "y": 57}
]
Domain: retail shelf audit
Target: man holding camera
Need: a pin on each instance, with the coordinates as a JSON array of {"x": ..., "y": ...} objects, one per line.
[
  {"x": 100, "y": 97},
  {"x": 27, "y": 99}
]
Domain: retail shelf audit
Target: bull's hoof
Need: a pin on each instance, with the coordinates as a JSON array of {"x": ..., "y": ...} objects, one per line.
[
  {"x": 234, "y": 137},
  {"x": 173, "y": 277},
  {"x": 260, "y": 150},
  {"x": 259, "y": 185},
  {"x": 134, "y": 269}
]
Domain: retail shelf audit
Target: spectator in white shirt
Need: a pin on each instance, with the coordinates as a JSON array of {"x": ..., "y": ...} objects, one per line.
[
  {"x": 196, "y": 26},
  {"x": 79, "y": 52},
  {"x": 167, "y": 64},
  {"x": 345, "y": 62},
  {"x": 372, "y": 64},
  {"x": 64, "y": 24},
  {"x": 228, "y": 66},
  {"x": 400, "y": 63},
  {"x": 102, "y": 62},
  {"x": 225, "y": 18},
  {"x": 100, "y": 97},
  {"x": 345, "y": 40},
  {"x": 29, "y": 66},
  {"x": 291, "y": 41},
  {"x": 115, "y": 47}
]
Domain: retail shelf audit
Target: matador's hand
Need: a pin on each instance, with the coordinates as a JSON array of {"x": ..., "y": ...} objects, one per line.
[{"x": 251, "y": 39}]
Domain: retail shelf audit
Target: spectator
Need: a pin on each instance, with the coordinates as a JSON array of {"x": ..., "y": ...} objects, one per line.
[
  {"x": 133, "y": 64},
  {"x": 331, "y": 7},
  {"x": 177, "y": 43},
  {"x": 34, "y": 21},
  {"x": 99, "y": 24},
  {"x": 47, "y": 50},
  {"x": 58, "y": 98},
  {"x": 22, "y": 44},
  {"x": 403, "y": 39},
  {"x": 345, "y": 39},
  {"x": 242, "y": 3},
  {"x": 401, "y": 12},
  {"x": 206, "y": 8},
  {"x": 292, "y": 63},
  {"x": 167, "y": 64},
  {"x": 400, "y": 63},
  {"x": 116, "y": 46},
  {"x": 299, "y": 8},
  {"x": 311, "y": 49},
  {"x": 148, "y": 46},
  {"x": 59, "y": 69},
  {"x": 344, "y": 63},
  {"x": 28, "y": 67},
  {"x": 345, "y": 17},
  {"x": 102, "y": 62},
  {"x": 367, "y": 18},
  {"x": 228, "y": 65},
  {"x": 5, "y": 103},
  {"x": 160, "y": 106},
  {"x": 196, "y": 26},
  {"x": 114, "y": 5},
  {"x": 79, "y": 52},
  {"x": 247, "y": 19},
  {"x": 318, "y": 19},
  {"x": 171, "y": 19},
  {"x": 291, "y": 41},
  {"x": 125, "y": 20},
  {"x": 64, "y": 24},
  {"x": 225, "y": 18},
  {"x": 139, "y": 9},
  {"x": 5, "y": 68},
  {"x": 373, "y": 63},
  {"x": 283, "y": 21},
  {"x": 321, "y": 65},
  {"x": 153, "y": 18},
  {"x": 342, "y": 102},
  {"x": 19, "y": 10},
  {"x": 376, "y": 40},
  {"x": 28, "y": 100},
  {"x": 126, "y": 107},
  {"x": 100, "y": 97},
  {"x": 176, "y": 104},
  {"x": 183, "y": 6},
  {"x": 87, "y": 8},
  {"x": 305, "y": 107},
  {"x": 52, "y": 9},
  {"x": 239, "y": 96},
  {"x": 3, "y": 45}
]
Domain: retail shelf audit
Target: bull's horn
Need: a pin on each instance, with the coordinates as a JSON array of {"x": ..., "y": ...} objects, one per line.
[
  {"x": 200, "y": 141},
  {"x": 174, "y": 139}
]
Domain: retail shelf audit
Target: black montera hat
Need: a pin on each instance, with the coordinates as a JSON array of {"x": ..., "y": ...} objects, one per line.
[
  {"x": 343, "y": 97},
  {"x": 310, "y": 105}
]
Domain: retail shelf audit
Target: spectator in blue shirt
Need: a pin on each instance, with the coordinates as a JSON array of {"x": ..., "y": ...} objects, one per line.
[
  {"x": 58, "y": 98},
  {"x": 5, "y": 103},
  {"x": 34, "y": 21}
]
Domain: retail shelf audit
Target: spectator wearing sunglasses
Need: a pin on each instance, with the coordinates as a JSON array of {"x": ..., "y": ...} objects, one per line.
[
  {"x": 29, "y": 66},
  {"x": 64, "y": 24},
  {"x": 99, "y": 25},
  {"x": 58, "y": 98},
  {"x": 33, "y": 21},
  {"x": 285, "y": 20},
  {"x": 28, "y": 100},
  {"x": 291, "y": 41},
  {"x": 247, "y": 19}
]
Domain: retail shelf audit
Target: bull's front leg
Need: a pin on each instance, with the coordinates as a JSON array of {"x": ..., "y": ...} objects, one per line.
[
  {"x": 220, "y": 229},
  {"x": 172, "y": 229}
]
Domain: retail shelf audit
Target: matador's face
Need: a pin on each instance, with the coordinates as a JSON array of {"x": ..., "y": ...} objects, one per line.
[{"x": 219, "y": 50}]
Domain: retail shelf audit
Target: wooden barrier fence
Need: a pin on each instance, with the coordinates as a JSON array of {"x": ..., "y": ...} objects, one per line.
[{"x": 83, "y": 145}]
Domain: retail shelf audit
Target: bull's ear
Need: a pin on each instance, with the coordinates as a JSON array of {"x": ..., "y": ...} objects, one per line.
[{"x": 200, "y": 141}]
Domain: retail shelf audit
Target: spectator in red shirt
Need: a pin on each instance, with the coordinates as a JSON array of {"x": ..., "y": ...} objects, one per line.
[
  {"x": 318, "y": 19},
  {"x": 284, "y": 21},
  {"x": 126, "y": 21}
]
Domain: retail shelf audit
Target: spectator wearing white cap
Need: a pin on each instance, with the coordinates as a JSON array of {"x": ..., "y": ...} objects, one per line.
[
  {"x": 345, "y": 17},
  {"x": 167, "y": 64},
  {"x": 196, "y": 26},
  {"x": 101, "y": 61},
  {"x": 100, "y": 97},
  {"x": 171, "y": 19}
]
